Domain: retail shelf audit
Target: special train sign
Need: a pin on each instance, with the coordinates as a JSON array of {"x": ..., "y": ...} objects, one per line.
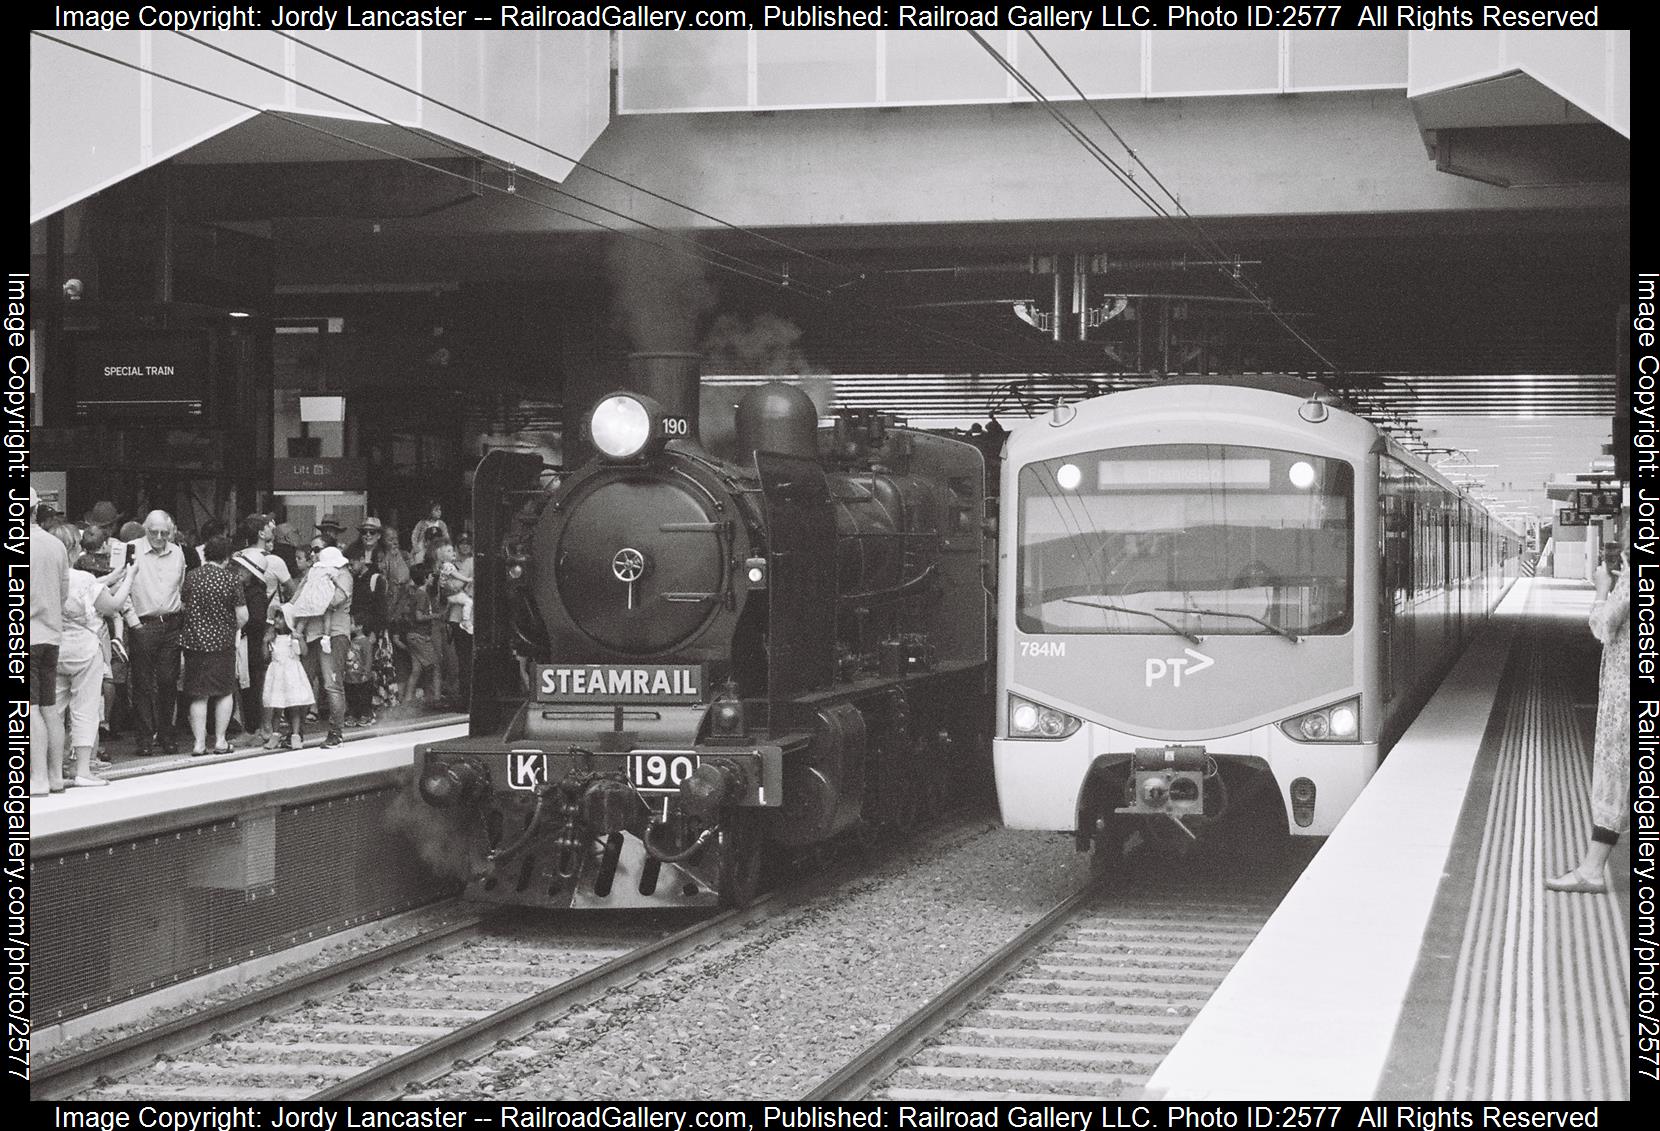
[
  {"x": 148, "y": 375},
  {"x": 619, "y": 683}
]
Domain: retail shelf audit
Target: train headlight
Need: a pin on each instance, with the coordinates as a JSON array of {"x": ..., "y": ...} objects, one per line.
[
  {"x": 1339, "y": 722},
  {"x": 624, "y": 425},
  {"x": 1033, "y": 720},
  {"x": 1345, "y": 722},
  {"x": 445, "y": 786}
]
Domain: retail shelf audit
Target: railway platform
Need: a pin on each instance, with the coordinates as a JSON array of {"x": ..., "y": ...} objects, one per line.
[
  {"x": 1420, "y": 956},
  {"x": 184, "y": 872}
]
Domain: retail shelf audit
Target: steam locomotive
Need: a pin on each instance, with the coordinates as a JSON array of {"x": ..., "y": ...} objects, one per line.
[{"x": 685, "y": 661}]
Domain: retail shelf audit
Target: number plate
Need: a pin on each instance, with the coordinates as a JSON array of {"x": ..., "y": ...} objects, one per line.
[{"x": 660, "y": 771}]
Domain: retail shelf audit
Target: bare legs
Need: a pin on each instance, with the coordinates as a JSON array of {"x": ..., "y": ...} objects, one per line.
[
  {"x": 45, "y": 750},
  {"x": 1588, "y": 876},
  {"x": 198, "y": 722}
]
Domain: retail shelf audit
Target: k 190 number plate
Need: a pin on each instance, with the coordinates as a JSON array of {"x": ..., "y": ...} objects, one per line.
[{"x": 660, "y": 771}]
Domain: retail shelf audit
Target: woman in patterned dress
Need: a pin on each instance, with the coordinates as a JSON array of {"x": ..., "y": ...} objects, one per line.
[
  {"x": 214, "y": 612},
  {"x": 1611, "y": 769}
]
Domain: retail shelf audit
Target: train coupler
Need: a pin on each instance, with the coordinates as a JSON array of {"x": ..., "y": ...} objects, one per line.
[{"x": 1167, "y": 781}]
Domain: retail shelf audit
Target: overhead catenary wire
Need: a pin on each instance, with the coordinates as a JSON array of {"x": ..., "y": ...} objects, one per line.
[
  {"x": 1125, "y": 178},
  {"x": 465, "y": 151},
  {"x": 777, "y": 282},
  {"x": 576, "y": 162},
  {"x": 851, "y": 274},
  {"x": 359, "y": 143}
]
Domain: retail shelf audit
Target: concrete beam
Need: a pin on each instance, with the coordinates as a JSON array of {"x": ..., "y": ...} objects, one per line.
[{"x": 1313, "y": 154}]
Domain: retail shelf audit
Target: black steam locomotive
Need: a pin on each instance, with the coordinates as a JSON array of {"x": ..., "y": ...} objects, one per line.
[{"x": 684, "y": 661}]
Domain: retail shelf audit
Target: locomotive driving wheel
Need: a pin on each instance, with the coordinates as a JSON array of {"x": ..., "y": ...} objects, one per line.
[{"x": 738, "y": 876}]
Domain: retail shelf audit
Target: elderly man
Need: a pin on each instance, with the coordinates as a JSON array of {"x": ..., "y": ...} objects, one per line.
[
  {"x": 48, "y": 585},
  {"x": 155, "y": 615}
]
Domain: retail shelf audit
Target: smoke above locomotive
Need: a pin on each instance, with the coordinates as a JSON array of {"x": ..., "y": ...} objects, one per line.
[{"x": 685, "y": 661}]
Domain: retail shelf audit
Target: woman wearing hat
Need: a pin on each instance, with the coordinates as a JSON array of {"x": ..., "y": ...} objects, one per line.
[{"x": 381, "y": 593}]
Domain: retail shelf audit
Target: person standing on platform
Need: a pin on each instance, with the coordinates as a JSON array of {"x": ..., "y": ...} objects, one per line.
[
  {"x": 262, "y": 575},
  {"x": 432, "y": 526},
  {"x": 154, "y": 620},
  {"x": 83, "y": 658},
  {"x": 1611, "y": 766},
  {"x": 48, "y": 587},
  {"x": 287, "y": 691},
  {"x": 215, "y": 611},
  {"x": 423, "y": 655},
  {"x": 322, "y": 611},
  {"x": 284, "y": 546}
]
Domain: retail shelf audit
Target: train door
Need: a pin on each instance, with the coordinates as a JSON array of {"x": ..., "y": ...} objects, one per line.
[{"x": 1395, "y": 574}]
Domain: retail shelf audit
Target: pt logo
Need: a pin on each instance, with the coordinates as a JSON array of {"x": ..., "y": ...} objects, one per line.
[
  {"x": 1177, "y": 666},
  {"x": 527, "y": 771}
]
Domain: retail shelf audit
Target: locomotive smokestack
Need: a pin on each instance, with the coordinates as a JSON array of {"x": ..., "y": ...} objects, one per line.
[{"x": 672, "y": 380}]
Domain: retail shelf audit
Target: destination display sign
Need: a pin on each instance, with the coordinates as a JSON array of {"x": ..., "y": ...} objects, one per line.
[
  {"x": 134, "y": 375},
  {"x": 1597, "y": 501},
  {"x": 619, "y": 683}
]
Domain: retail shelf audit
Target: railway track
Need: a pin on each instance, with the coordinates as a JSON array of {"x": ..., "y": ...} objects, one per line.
[
  {"x": 382, "y": 1023},
  {"x": 369, "y": 1027},
  {"x": 1083, "y": 1004}
]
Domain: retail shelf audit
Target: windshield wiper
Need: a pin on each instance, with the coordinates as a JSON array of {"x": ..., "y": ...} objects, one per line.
[
  {"x": 1141, "y": 612},
  {"x": 1268, "y": 624}
]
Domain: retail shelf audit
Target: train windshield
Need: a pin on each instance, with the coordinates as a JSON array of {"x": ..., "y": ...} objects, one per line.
[{"x": 1213, "y": 539}]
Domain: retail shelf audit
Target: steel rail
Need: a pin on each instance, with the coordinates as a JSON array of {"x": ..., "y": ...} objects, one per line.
[
  {"x": 418, "y": 1066},
  {"x": 856, "y": 1078},
  {"x": 391, "y": 1078},
  {"x": 65, "y": 1077}
]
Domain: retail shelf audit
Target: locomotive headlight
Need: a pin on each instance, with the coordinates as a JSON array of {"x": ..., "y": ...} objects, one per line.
[
  {"x": 1338, "y": 723},
  {"x": 1034, "y": 720},
  {"x": 444, "y": 786},
  {"x": 1069, "y": 475},
  {"x": 621, "y": 426}
]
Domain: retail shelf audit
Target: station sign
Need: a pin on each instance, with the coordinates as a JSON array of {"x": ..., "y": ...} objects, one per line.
[
  {"x": 1571, "y": 518},
  {"x": 1597, "y": 501},
  {"x": 319, "y": 473},
  {"x": 130, "y": 376}
]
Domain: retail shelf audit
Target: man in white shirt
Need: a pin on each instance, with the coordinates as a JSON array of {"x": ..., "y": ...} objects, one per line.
[{"x": 156, "y": 613}]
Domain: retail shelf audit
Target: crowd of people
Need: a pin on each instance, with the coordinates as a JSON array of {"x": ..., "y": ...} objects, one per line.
[{"x": 245, "y": 631}]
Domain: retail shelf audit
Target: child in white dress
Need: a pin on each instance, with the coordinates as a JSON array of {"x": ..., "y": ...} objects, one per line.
[{"x": 286, "y": 687}]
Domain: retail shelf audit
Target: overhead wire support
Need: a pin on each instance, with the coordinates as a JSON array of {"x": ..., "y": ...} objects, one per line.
[{"x": 1126, "y": 178}]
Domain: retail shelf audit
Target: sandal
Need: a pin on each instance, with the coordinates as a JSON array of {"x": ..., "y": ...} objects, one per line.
[
  {"x": 225, "y": 749},
  {"x": 275, "y": 742},
  {"x": 1574, "y": 882}
]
